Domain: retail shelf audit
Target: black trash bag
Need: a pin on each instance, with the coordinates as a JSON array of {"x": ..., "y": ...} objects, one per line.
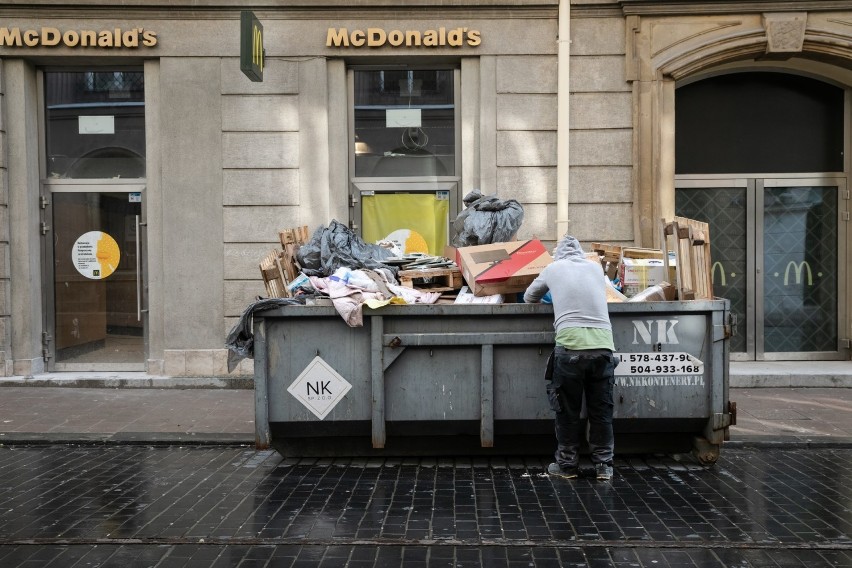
[
  {"x": 486, "y": 219},
  {"x": 240, "y": 340},
  {"x": 337, "y": 246}
]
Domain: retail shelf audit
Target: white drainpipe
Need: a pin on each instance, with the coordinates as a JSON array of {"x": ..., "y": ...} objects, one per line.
[{"x": 562, "y": 132}]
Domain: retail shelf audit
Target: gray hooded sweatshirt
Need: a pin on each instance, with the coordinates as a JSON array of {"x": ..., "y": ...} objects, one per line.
[{"x": 577, "y": 286}]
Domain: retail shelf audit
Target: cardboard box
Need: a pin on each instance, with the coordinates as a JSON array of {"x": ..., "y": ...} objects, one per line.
[
  {"x": 642, "y": 268},
  {"x": 502, "y": 268}
]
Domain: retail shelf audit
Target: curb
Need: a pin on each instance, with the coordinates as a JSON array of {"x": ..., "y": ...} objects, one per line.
[
  {"x": 126, "y": 439},
  {"x": 123, "y": 382},
  {"x": 244, "y": 439},
  {"x": 787, "y": 442}
]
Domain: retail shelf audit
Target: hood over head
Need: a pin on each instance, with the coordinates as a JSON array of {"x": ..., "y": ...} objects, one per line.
[{"x": 568, "y": 247}]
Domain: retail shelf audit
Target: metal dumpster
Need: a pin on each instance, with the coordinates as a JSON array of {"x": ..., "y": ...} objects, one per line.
[{"x": 468, "y": 379}]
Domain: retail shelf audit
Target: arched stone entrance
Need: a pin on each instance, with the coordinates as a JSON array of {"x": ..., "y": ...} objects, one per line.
[
  {"x": 662, "y": 50},
  {"x": 665, "y": 52}
]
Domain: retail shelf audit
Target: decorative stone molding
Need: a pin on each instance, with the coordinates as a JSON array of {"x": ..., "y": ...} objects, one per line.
[
  {"x": 785, "y": 32},
  {"x": 662, "y": 50}
]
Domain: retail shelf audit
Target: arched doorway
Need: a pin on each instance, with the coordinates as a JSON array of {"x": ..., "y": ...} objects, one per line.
[
  {"x": 675, "y": 47},
  {"x": 759, "y": 155}
]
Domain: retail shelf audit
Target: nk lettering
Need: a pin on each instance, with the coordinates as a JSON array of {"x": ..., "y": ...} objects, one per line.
[
  {"x": 655, "y": 331},
  {"x": 319, "y": 388}
]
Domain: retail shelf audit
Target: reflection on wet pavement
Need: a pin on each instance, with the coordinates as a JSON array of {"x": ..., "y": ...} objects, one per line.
[{"x": 220, "y": 506}]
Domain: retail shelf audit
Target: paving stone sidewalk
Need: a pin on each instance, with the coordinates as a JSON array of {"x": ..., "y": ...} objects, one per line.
[
  {"x": 194, "y": 506},
  {"x": 801, "y": 416}
]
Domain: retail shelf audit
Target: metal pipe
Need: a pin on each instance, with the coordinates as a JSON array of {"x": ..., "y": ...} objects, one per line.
[{"x": 562, "y": 127}]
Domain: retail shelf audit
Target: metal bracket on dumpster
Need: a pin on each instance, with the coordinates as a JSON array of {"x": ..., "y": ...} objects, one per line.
[
  {"x": 394, "y": 345},
  {"x": 714, "y": 430}
]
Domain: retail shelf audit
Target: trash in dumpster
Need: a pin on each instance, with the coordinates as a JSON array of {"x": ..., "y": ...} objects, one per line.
[
  {"x": 691, "y": 249},
  {"x": 645, "y": 269},
  {"x": 350, "y": 290},
  {"x": 336, "y": 266},
  {"x": 465, "y": 296},
  {"x": 279, "y": 268},
  {"x": 502, "y": 268},
  {"x": 662, "y": 292},
  {"x": 240, "y": 340},
  {"x": 336, "y": 246},
  {"x": 486, "y": 219}
]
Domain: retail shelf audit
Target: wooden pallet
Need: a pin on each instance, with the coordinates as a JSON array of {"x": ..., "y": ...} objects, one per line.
[
  {"x": 610, "y": 257},
  {"x": 690, "y": 241},
  {"x": 432, "y": 279},
  {"x": 291, "y": 240},
  {"x": 273, "y": 275},
  {"x": 609, "y": 253},
  {"x": 279, "y": 267}
]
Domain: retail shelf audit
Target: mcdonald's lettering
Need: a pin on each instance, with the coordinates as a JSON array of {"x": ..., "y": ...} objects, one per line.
[
  {"x": 798, "y": 269},
  {"x": 54, "y": 37},
  {"x": 252, "y": 53},
  {"x": 379, "y": 37}
]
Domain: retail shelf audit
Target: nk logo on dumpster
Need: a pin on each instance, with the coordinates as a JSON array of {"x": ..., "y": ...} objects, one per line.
[{"x": 319, "y": 387}]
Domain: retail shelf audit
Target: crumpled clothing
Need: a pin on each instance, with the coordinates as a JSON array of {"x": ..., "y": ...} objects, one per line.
[{"x": 350, "y": 290}]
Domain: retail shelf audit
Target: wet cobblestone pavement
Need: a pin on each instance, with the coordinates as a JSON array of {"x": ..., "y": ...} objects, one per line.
[{"x": 173, "y": 507}]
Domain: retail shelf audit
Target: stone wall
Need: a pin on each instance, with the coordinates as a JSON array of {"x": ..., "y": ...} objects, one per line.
[
  {"x": 5, "y": 319},
  {"x": 601, "y": 124}
]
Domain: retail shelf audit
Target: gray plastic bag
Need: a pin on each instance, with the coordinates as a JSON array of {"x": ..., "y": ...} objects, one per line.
[
  {"x": 486, "y": 219},
  {"x": 335, "y": 246}
]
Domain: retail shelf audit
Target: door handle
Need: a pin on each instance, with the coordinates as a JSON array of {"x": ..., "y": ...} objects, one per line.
[{"x": 138, "y": 273}]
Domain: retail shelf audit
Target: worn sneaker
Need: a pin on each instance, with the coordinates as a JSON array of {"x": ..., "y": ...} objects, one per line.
[
  {"x": 603, "y": 471},
  {"x": 567, "y": 473}
]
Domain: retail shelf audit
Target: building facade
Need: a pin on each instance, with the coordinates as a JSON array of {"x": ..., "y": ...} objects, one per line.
[{"x": 143, "y": 175}]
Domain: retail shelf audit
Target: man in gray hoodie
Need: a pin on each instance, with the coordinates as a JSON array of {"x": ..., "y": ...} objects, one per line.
[{"x": 583, "y": 362}]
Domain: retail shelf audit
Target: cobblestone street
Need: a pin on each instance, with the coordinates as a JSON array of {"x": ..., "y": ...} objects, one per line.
[{"x": 75, "y": 506}]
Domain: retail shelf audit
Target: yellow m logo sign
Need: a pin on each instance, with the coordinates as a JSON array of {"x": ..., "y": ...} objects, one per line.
[
  {"x": 798, "y": 270},
  {"x": 257, "y": 47},
  {"x": 722, "y": 278}
]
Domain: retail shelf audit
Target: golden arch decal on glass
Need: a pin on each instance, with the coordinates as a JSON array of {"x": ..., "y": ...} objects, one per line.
[
  {"x": 721, "y": 274},
  {"x": 798, "y": 269}
]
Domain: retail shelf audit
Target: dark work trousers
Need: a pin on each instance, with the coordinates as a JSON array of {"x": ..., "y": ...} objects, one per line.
[{"x": 576, "y": 373}]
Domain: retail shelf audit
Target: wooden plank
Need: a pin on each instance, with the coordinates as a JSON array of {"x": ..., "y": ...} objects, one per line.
[
  {"x": 432, "y": 279},
  {"x": 291, "y": 240},
  {"x": 273, "y": 277},
  {"x": 610, "y": 253},
  {"x": 690, "y": 241},
  {"x": 699, "y": 243}
]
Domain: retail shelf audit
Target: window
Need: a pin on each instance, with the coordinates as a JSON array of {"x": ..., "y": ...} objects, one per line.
[
  {"x": 404, "y": 123},
  {"x": 95, "y": 124}
]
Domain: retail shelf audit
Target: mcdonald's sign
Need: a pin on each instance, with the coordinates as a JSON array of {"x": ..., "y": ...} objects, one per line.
[
  {"x": 251, "y": 46},
  {"x": 722, "y": 277},
  {"x": 798, "y": 270}
]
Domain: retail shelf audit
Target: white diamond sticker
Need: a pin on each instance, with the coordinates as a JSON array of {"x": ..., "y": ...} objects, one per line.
[{"x": 319, "y": 387}]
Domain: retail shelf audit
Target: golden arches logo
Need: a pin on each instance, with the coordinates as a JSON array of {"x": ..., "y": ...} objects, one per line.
[
  {"x": 257, "y": 46},
  {"x": 722, "y": 276},
  {"x": 798, "y": 269}
]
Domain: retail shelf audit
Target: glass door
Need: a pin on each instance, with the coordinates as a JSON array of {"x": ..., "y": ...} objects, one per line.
[
  {"x": 96, "y": 263},
  {"x": 799, "y": 267},
  {"x": 778, "y": 252}
]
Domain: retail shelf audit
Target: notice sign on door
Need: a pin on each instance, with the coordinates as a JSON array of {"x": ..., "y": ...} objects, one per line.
[
  {"x": 319, "y": 387},
  {"x": 95, "y": 255}
]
